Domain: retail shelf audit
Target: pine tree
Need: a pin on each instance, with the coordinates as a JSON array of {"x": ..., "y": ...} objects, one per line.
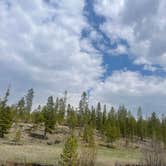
[
  {"x": 37, "y": 116},
  {"x": 93, "y": 117},
  {"x": 69, "y": 156},
  {"x": 83, "y": 108},
  {"x": 163, "y": 129},
  {"x": 131, "y": 126},
  {"x": 140, "y": 123},
  {"x": 122, "y": 119},
  {"x": 49, "y": 116},
  {"x": 29, "y": 99},
  {"x": 56, "y": 104},
  {"x": 71, "y": 117},
  {"x": 88, "y": 151},
  {"x": 154, "y": 126},
  {"x": 112, "y": 130},
  {"x": 98, "y": 117},
  {"x": 111, "y": 133},
  {"x": 104, "y": 115},
  {"x": 5, "y": 116},
  {"x": 88, "y": 134},
  {"x": 21, "y": 109},
  {"x": 104, "y": 118},
  {"x": 62, "y": 108}
]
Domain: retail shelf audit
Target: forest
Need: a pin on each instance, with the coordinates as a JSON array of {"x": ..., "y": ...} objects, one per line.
[{"x": 86, "y": 126}]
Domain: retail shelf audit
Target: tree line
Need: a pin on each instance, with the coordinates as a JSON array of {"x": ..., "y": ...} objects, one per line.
[{"x": 112, "y": 123}]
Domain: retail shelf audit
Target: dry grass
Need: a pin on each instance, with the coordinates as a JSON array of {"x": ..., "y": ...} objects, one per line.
[
  {"x": 108, "y": 157},
  {"x": 36, "y": 150},
  {"x": 42, "y": 154},
  {"x": 45, "y": 154}
]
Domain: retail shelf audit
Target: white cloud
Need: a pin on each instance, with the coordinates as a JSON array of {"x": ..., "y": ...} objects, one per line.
[
  {"x": 120, "y": 50},
  {"x": 133, "y": 90},
  {"x": 40, "y": 47},
  {"x": 142, "y": 23}
]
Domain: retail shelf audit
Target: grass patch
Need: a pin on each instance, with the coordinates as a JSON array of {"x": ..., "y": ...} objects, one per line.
[
  {"x": 42, "y": 154},
  {"x": 45, "y": 154},
  {"x": 107, "y": 156}
]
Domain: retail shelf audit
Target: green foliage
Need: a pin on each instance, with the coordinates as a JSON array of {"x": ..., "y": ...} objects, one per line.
[
  {"x": 110, "y": 124},
  {"x": 88, "y": 151},
  {"x": 5, "y": 116},
  {"x": 21, "y": 110},
  {"x": 131, "y": 126},
  {"x": 99, "y": 118},
  {"x": 37, "y": 116},
  {"x": 163, "y": 129},
  {"x": 140, "y": 124},
  {"x": 83, "y": 109},
  {"x": 69, "y": 156},
  {"x": 29, "y": 99},
  {"x": 104, "y": 115},
  {"x": 71, "y": 117},
  {"x": 122, "y": 119},
  {"x": 49, "y": 116},
  {"x": 154, "y": 126},
  {"x": 93, "y": 118},
  {"x": 61, "y": 107},
  {"x": 61, "y": 111},
  {"x": 111, "y": 133},
  {"x": 5, "y": 120},
  {"x": 88, "y": 135}
]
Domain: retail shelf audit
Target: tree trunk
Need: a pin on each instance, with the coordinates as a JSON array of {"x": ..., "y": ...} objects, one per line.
[{"x": 45, "y": 133}]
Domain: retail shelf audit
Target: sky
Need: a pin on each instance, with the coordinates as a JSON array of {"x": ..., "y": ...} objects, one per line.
[{"x": 113, "y": 49}]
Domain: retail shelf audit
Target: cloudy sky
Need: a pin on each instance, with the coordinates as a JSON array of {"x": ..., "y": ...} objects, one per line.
[{"x": 113, "y": 49}]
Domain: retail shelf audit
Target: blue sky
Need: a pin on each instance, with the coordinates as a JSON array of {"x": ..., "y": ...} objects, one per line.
[
  {"x": 114, "y": 49},
  {"x": 122, "y": 62}
]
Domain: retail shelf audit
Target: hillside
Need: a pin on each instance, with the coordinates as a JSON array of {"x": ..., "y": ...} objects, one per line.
[{"x": 32, "y": 148}]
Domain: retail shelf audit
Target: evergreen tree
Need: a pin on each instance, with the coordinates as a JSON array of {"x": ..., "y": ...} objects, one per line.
[
  {"x": 93, "y": 117},
  {"x": 3, "y": 103},
  {"x": 49, "y": 116},
  {"x": 111, "y": 133},
  {"x": 154, "y": 126},
  {"x": 88, "y": 152},
  {"x": 37, "y": 116},
  {"x": 61, "y": 111},
  {"x": 69, "y": 156},
  {"x": 29, "y": 99},
  {"x": 83, "y": 108},
  {"x": 112, "y": 119},
  {"x": 56, "y": 105},
  {"x": 122, "y": 119},
  {"x": 5, "y": 115},
  {"x": 131, "y": 126},
  {"x": 112, "y": 130},
  {"x": 104, "y": 118},
  {"x": 71, "y": 117},
  {"x": 104, "y": 115},
  {"x": 99, "y": 117},
  {"x": 140, "y": 123},
  {"x": 21, "y": 109},
  {"x": 163, "y": 129},
  {"x": 62, "y": 108},
  {"x": 88, "y": 134}
]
